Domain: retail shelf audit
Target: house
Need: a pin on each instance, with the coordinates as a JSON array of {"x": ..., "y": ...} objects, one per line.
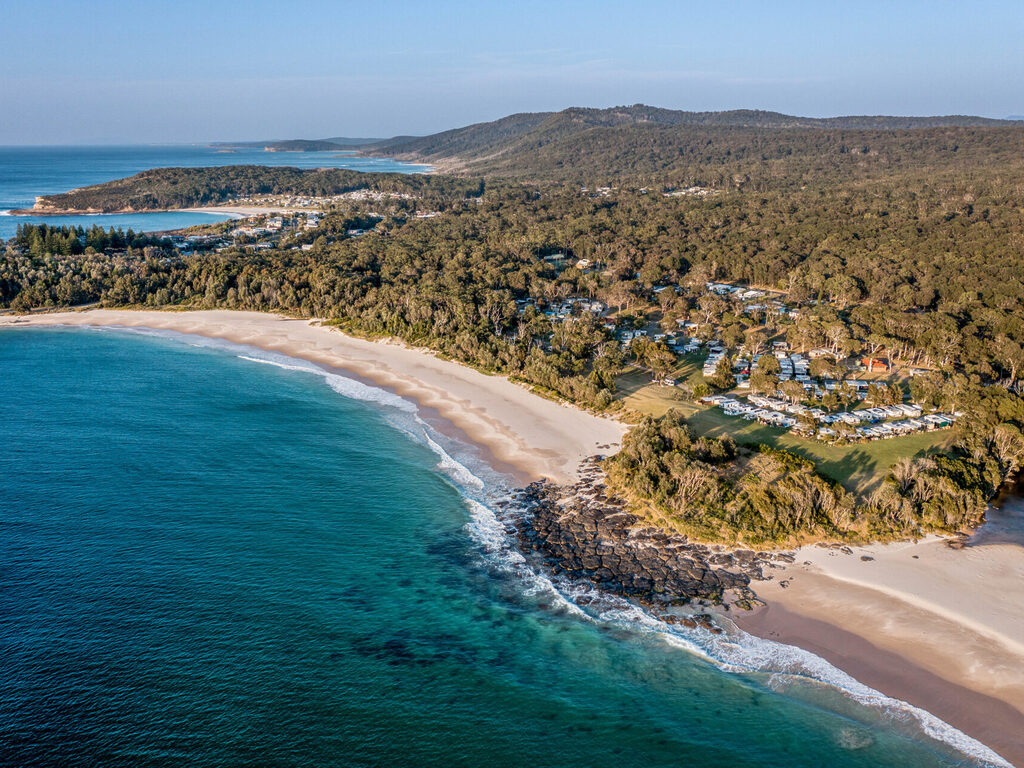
[
  {"x": 814, "y": 354},
  {"x": 584, "y": 264},
  {"x": 874, "y": 364}
]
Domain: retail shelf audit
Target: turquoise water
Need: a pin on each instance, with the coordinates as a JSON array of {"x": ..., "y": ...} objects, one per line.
[
  {"x": 27, "y": 172},
  {"x": 210, "y": 560}
]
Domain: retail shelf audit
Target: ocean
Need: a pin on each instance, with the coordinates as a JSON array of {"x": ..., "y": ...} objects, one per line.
[
  {"x": 212, "y": 555},
  {"x": 26, "y": 172}
]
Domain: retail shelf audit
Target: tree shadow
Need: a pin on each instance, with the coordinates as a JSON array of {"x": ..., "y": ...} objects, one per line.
[
  {"x": 857, "y": 471},
  {"x": 1004, "y": 523},
  {"x": 632, "y": 382}
]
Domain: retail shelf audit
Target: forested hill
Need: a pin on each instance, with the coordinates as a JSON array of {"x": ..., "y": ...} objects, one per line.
[
  {"x": 641, "y": 147},
  {"x": 170, "y": 188},
  {"x": 648, "y": 140},
  {"x": 462, "y": 142}
]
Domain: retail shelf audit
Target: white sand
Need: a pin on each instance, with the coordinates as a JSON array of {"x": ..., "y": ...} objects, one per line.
[
  {"x": 247, "y": 211},
  {"x": 979, "y": 587},
  {"x": 539, "y": 437},
  {"x": 953, "y": 615}
]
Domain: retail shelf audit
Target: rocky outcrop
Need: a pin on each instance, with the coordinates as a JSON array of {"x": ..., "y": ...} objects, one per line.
[{"x": 583, "y": 532}]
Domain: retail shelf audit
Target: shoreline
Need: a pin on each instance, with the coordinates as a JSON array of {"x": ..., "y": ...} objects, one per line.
[
  {"x": 939, "y": 627},
  {"x": 985, "y": 718},
  {"x": 237, "y": 211},
  {"x": 540, "y": 438},
  {"x": 244, "y": 211},
  {"x": 871, "y": 630}
]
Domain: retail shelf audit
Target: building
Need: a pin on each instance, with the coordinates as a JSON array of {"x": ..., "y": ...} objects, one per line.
[{"x": 874, "y": 365}]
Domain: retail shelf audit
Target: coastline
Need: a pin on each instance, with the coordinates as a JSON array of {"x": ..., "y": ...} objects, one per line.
[
  {"x": 941, "y": 628},
  {"x": 914, "y": 629},
  {"x": 539, "y": 438},
  {"x": 236, "y": 211}
]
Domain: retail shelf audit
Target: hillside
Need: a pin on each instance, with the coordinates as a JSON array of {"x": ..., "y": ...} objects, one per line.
[
  {"x": 639, "y": 146},
  {"x": 462, "y": 142},
  {"x": 648, "y": 140}
]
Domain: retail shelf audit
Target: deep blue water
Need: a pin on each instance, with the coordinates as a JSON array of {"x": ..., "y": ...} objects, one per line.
[
  {"x": 206, "y": 561},
  {"x": 27, "y": 172}
]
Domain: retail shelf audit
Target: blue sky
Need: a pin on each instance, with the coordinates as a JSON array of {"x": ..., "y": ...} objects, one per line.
[{"x": 105, "y": 71}]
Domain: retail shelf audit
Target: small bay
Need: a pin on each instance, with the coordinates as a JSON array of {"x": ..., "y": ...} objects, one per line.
[{"x": 27, "y": 172}]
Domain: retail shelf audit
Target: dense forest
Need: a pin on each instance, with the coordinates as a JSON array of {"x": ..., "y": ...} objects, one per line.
[
  {"x": 934, "y": 272},
  {"x": 537, "y": 128},
  {"x": 743, "y": 147}
]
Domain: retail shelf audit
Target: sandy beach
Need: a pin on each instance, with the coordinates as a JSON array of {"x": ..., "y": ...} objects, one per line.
[
  {"x": 247, "y": 211},
  {"x": 940, "y": 628},
  {"x": 519, "y": 431}
]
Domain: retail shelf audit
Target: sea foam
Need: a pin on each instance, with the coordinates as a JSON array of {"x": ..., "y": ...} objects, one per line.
[{"x": 482, "y": 488}]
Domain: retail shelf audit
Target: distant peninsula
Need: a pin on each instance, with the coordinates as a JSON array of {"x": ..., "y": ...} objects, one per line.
[
  {"x": 336, "y": 144},
  {"x": 163, "y": 189}
]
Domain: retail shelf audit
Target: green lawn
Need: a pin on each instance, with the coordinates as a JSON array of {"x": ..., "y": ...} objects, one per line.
[
  {"x": 638, "y": 393},
  {"x": 859, "y": 467}
]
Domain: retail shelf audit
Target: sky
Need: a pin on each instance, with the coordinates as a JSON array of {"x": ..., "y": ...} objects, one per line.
[{"x": 142, "y": 71}]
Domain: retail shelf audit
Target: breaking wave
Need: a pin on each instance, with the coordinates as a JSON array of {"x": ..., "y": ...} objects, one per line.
[{"x": 490, "y": 526}]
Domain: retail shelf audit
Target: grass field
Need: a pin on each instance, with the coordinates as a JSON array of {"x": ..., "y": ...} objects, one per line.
[
  {"x": 859, "y": 467},
  {"x": 638, "y": 393}
]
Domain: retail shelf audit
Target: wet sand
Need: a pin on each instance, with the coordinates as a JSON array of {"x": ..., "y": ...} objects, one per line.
[
  {"x": 940, "y": 628},
  {"x": 539, "y": 437}
]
